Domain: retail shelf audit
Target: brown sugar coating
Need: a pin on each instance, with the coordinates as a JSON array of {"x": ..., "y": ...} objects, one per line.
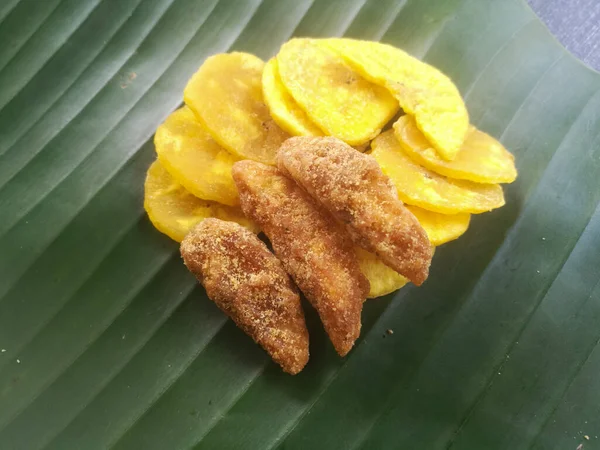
[
  {"x": 314, "y": 249},
  {"x": 352, "y": 187},
  {"x": 250, "y": 285}
]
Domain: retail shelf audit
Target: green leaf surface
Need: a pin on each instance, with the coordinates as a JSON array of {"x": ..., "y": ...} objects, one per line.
[{"x": 108, "y": 342}]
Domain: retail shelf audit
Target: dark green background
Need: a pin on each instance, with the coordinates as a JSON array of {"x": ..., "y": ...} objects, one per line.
[{"x": 110, "y": 343}]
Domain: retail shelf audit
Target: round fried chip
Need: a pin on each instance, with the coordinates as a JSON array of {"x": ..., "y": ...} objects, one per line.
[
  {"x": 383, "y": 279},
  {"x": 174, "y": 211},
  {"x": 194, "y": 158},
  {"x": 284, "y": 109},
  {"x": 421, "y": 187},
  {"x": 481, "y": 158},
  {"x": 226, "y": 95},
  {"x": 422, "y": 90},
  {"x": 335, "y": 97},
  {"x": 441, "y": 228}
]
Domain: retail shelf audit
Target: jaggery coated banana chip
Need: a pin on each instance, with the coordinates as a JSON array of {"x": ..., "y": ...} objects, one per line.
[
  {"x": 226, "y": 95},
  {"x": 193, "y": 157},
  {"x": 249, "y": 284},
  {"x": 284, "y": 109},
  {"x": 314, "y": 249},
  {"x": 441, "y": 228},
  {"x": 422, "y": 90},
  {"x": 481, "y": 158},
  {"x": 336, "y": 98},
  {"x": 421, "y": 187},
  {"x": 352, "y": 187},
  {"x": 174, "y": 211},
  {"x": 383, "y": 279}
]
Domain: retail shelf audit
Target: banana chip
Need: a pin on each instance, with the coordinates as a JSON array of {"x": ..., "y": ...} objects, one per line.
[
  {"x": 226, "y": 95},
  {"x": 421, "y": 187},
  {"x": 174, "y": 211},
  {"x": 383, "y": 280},
  {"x": 422, "y": 90},
  {"x": 336, "y": 98},
  {"x": 284, "y": 109},
  {"x": 481, "y": 158},
  {"x": 441, "y": 228},
  {"x": 194, "y": 159}
]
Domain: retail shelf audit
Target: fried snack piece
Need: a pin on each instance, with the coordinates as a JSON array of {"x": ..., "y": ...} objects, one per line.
[
  {"x": 336, "y": 98},
  {"x": 481, "y": 158},
  {"x": 441, "y": 228},
  {"x": 421, "y": 187},
  {"x": 352, "y": 187},
  {"x": 226, "y": 95},
  {"x": 249, "y": 284},
  {"x": 174, "y": 211},
  {"x": 314, "y": 249},
  {"x": 382, "y": 279},
  {"x": 422, "y": 90},
  {"x": 192, "y": 157},
  {"x": 284, "y": 109}
]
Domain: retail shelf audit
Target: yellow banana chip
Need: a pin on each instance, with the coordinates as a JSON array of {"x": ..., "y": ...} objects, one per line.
[
  {"x": 383, "y": 280},
  {"x": 421, "y": 187},
  {"x": 422, "y": 90},
  {"x": 481, "y": 158},
  {"x": 336, "y": 98},
  {"x": 226, "y": 95},
  {"x": 194, "y": 159},
  {"x": 441, "y": 228},
  {"x": 284, "y": 109},
  {"x": 174, "y": 211}
]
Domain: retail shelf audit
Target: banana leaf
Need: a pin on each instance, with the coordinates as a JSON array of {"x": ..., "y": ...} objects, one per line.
[{"x": 108, "y": 342}]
